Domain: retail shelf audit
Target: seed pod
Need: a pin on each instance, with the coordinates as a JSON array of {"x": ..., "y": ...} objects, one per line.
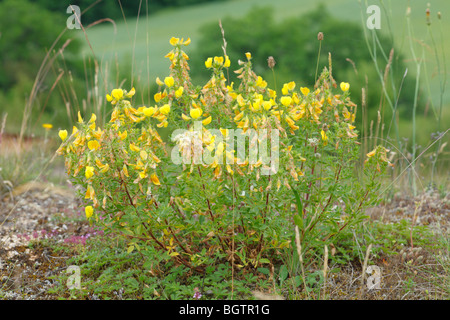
[
  {"x": 320, "y": 36},
  {"x": 271, "y": 62}
]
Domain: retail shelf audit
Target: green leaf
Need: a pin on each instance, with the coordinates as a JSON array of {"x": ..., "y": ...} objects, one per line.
[
  {"x": 283, "y": 273},
  {"x": 264, "y": 271},
  {"x": 130, "y": 249},
  {"x": 298, "y": 221},
  {"x": 299, "y": 202}
]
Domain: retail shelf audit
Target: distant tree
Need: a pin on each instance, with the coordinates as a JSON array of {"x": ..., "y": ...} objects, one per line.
[
  {"x": 112, "y": 8},
  {"x": 27, "y": 32}
]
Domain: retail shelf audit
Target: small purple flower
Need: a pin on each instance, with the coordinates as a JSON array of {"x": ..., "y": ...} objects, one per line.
[{"x": 197, "y": 294}]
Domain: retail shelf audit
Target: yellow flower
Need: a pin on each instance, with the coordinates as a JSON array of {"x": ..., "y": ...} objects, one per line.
[
  {"x": 143, "y": 174},
  {"x": 131, "y": 93},
  {"x": 125, "y": 170},
  {"x": 208, "y": 62},
  {"x": 148, "y": 112},
  {"x": 371, "y": 153},
  {"x": 154, "y": 179},
  {"x": 47, "y": 126},
  {"x": 285, "y": 101},
  {"x": 218, "y": 60},
  {"x": 248, "y": 55},
  {"x": 80, "y": 119},
  {"x": 179, "y": 92},
  {"x": 227, "y": 62},
  {"x": 185, "y": 117},
  {"x": 62, "y": 134},
  {"x": 345, "y": 86},
  {"x": 89, "y": 211},
  {"x": 90, "y": 193},
  {"x": 291, "y": 85},
  {"x": 117, "y": 94},
  {"x": 89, "y": 172},
  {"x": 260, "y": 82},
  {"x": 104, "y": 168},
  {"x": 165, "y": 109},
  {"x": 240, "y": 100},
  {"x": 157, "y": 97},
  {"x": 93, "y": 145},
  {"x": 304, "y": 90},
  {"x": 169, "y": 81},
  {"x": 174, "y": 41},
  {"x": 123, "y": 135},
  {"x": 324, "y": 137},
  {"x": 143, "y": 154},
  {"x": 159, "y": 82},
  {"x": 93, "y": 118},
  {"x": 133, "y": 147},
  {"x": 272, "y": 93},
  {"x": 267, "y": 105},
  {"x": 207, "y": 121},
  {"x": 170, "y": 55},
  {"x": 187, "y": 42},
  {"x": 196, "y": 113}
]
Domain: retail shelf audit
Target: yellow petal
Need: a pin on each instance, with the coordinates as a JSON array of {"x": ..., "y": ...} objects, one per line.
[
  {"x": 89, "y": 211},
  {"x": 286, "y": 101},
  {"x": 131, "y": 93},
  {"x": 169, "y": 81},
  {"x": 62, "y": 134},
  {"x": 304, "y": 90},
  {"x": 148, "y": 112},
  {"x": 133, "y": 147},
  {"x": 207, "y": 121},
  {"x": 125, "y": 170},
  {"x": 93, "y": 145},
  {"x": 117, "y": 94},
  {"x": 187, "y": 42},
  {"x": 165, "y": 109},
  {"x": 174, "y": 41},
  {"x": 123, "y": 135},
  {"x": 179, "y": 92},
  {"x": 196, "y": 113},
  {"x": 159, "y": 82},
  {"x": 154, "y": 179},
  {"x": 208, "y": 63},
  {"x": 345, "y": 86},
  {"x": 89, "y": 172},
  {"x": 144, "y": 155}
]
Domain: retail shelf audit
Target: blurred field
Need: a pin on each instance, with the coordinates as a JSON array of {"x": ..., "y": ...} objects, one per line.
[{"x": 147, "y": 39}]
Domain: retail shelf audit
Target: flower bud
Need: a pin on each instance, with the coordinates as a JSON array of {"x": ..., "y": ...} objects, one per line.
[
  {"x": 271, "y": 62},
  {"x": 320, "y": 36}
]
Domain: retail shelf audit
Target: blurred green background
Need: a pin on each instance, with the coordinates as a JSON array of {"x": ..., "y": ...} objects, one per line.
[{"x": 128, "y": 49}]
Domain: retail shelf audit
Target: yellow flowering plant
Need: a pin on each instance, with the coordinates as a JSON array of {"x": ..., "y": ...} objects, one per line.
[{"x": 244, "y": 165}]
